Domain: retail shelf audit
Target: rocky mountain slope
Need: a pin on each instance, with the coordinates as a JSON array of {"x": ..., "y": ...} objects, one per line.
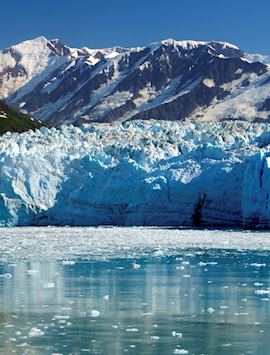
[
  {"x": 137, "y": 173},
  {"x": 171, "y": 80}
]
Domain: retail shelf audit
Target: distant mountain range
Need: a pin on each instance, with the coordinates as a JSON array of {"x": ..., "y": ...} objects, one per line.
[{"x": 167, "y": 80}]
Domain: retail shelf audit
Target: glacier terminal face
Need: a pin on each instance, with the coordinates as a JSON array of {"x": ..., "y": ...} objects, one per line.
[{"x": 137, "y": 173}]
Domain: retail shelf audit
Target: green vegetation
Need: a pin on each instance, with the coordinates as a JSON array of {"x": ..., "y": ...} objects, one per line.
[{"x": 15, "y": 121}]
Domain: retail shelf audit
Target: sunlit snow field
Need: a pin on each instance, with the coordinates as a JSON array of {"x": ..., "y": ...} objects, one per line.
[{"x": 134, "y": 290}]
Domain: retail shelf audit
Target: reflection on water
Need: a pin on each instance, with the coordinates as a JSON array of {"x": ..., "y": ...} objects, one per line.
[{"x": 213, "y": 302}]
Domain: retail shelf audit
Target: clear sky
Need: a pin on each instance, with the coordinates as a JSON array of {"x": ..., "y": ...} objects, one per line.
[{"x": 104, "y": 23}]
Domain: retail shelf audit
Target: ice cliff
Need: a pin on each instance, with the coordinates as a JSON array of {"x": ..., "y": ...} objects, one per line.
[{"x": 137, "y": 173}]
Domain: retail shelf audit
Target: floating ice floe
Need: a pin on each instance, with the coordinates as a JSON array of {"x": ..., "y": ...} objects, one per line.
[
  {"x": 94, "y": 313},
  {"x": 6, "y": 276},
  {"x": 180, "y": 351},
  {"x": 35, "y": 332},
  {"x": 262, "y": 292},
  {"x": 177, "y": 334},
  {"x": 210, "y": 310}
]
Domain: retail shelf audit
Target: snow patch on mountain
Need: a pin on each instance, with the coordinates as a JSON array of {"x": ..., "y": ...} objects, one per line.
[
  {"x": 209, "y": 83},
  {"x": 190, "y": 44},
  {"x": 109, "y": 103},
  {"x": 243, "y": 102},
  {"x": 258, "y": 58}
]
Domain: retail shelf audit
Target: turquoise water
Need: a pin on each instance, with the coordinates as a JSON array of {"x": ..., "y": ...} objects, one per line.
[{"x": 212, "y": 301}]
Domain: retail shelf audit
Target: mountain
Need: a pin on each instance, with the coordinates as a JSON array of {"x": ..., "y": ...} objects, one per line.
[
  {"x": 14, "y": 121},
  {"x": 171, "y": 80},
  {"x": 137, "y": 173},
  {"x": 27, "y": 64}
]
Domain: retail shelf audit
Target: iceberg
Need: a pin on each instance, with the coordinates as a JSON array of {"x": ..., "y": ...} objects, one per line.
[{"x": 135, "y": 173}]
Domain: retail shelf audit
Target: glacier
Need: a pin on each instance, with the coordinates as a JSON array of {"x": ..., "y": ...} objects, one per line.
[{"x": 134, "y": 173}]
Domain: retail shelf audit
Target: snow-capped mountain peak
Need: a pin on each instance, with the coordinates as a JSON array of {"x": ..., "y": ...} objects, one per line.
[
  {"x": 169, "y": 79},
  {"x": 22, "y": 62},
  {"x": 185, "y": 44},
  {"x": 224, "y": 48},
  {"x": 37, "y": 47}
]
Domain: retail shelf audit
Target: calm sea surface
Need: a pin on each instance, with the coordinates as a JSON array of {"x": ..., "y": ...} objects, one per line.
[{"x": 115, "y": 296}]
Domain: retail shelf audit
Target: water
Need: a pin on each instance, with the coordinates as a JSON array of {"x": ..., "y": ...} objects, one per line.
[{"x": 133, "y": 296}]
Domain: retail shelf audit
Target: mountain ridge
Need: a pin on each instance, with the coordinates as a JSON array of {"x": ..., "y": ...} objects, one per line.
[{"x": 169, "y": 79}]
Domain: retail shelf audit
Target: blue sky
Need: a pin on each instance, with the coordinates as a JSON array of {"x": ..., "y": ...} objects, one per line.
[{"x": 104, "y": 23}]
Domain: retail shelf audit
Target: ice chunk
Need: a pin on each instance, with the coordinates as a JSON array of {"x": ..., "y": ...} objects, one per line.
[
  {"x": 210, "y": 310},
  {"x": 35, "y": 332},
  {"x": 94, "y": 313},
  {"x": 262, "y": 292},
  {"x": 180, "y": 351}
]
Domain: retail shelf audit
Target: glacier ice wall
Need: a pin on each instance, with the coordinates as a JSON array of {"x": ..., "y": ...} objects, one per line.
[
  {"x": 255, "y": 197},
  {"x": 137, "y": 173}
]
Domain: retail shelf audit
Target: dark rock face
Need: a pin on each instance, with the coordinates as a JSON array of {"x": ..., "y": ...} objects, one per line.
[
  {"x": 226, "y": 50},
  {"x": 219, "y": 70},
  {"x": 265, "y": 106},
  {"x": 58, "y": 47},
  {"x": 167, "y": 80}
]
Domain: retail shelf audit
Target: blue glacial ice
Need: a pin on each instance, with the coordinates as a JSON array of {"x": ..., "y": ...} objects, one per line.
[{"x": 137, "y": 173}]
